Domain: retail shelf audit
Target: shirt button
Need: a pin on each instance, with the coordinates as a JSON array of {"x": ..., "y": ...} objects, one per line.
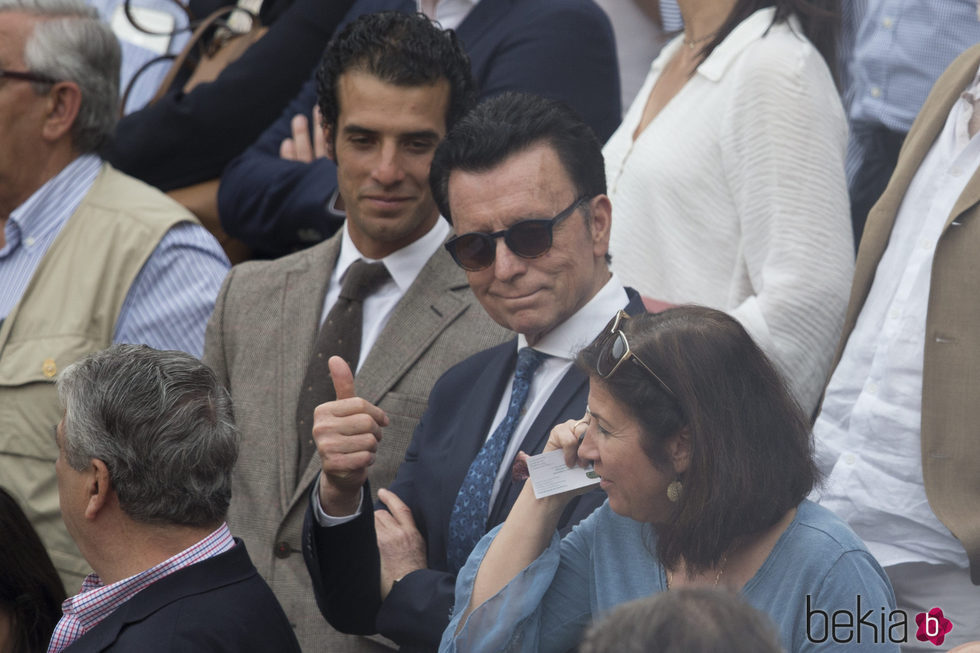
[
  {"x": 29, "y": 241},
  {"x": 850, "y": 458},
  {"x": 887, "y": 22},
  {"x": 956, "y": 172},
  {"x": 283, "y": 549},
  {"x": 873, "y": 388},
  {"x": 893, "y": 314},
  {"x": 875, "y": 91}
]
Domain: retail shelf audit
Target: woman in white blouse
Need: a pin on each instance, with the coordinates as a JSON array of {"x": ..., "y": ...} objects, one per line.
[{"x": 727, "y": 178}]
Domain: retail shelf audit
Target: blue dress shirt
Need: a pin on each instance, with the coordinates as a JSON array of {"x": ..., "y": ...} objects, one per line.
[{"x": 172, "y": 297}]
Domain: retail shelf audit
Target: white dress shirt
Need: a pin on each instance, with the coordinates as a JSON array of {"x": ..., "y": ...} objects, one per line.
[
  {"x": 868, "y": 433},
  {"x": 448, "y": 13},
  {"x": 403, "y": 266}
]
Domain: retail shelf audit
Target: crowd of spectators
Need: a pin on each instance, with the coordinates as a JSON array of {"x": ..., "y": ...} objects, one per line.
[{"x": 280, "y": 336}]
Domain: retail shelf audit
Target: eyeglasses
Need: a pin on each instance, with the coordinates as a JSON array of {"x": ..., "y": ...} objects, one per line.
[
  {"x": 27, "y": 77},
  {"x": 527, "y": 238},
  {"x": 615, "y": 350}
]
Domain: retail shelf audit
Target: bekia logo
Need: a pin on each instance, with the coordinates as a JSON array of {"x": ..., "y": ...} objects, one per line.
[
  {"x": 858, "y": 626},
  {"x": 877, "y": 625},
  {"x": 933, "y": 626}
]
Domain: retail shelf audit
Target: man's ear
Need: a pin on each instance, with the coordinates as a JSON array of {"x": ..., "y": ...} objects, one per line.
[
  {"x": 328, "y": 138},
  {"x": 679, "y": 449},
  {"x": 601, "y": 224},
  {"x": 64, "y": 102},
  {"x": 98, "y": 488}
]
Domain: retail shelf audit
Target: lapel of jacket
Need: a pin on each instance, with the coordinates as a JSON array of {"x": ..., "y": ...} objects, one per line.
[
  {"x": 429, "y": 306},
  {"x": 961, "y": 76},
  {"x": 304, "y": 290},
  {"x": 479, "y": 406},
  {"x": 923, "y": 133},
  {"x": 478, "y": 22}
]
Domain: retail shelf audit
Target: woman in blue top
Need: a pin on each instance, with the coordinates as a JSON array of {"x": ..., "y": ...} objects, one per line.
[{"x": 706, "y": 461}]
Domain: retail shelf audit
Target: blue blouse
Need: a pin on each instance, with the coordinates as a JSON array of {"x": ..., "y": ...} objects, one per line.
[{"x": 818, "y": 566}]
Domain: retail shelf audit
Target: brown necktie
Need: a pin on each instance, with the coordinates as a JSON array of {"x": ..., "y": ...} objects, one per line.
[{"x": 340, "y": 335}]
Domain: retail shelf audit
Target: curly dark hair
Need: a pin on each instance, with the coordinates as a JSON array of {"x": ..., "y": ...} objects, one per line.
[
  {"x": 751, "y": 446},
  {"x": 30, "y": 589},
  {"x": 401, "y": 49}
]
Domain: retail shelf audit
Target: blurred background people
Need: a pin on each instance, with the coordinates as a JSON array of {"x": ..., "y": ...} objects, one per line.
[
  {"x": 188, "y": 136},
  {"x": 640, "y": 34},
  {"x": 88, "y": 255},
  {"x": 727, "y": 175},
  {"x": 893, "y": 51},
  {"x": 686, "y": 620},
  {"x": 30, "y": 589},
  {"x": 705, "y": 459}
]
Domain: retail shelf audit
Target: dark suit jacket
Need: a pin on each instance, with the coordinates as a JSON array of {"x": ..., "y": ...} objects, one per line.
[
  {"x": 219, "y": 604},
  {"x": 561, "y": 49},
  {"x": 187, "y": 138},
  {"x": 951, "y": 360},
  {"x": 343, "y": 560}
]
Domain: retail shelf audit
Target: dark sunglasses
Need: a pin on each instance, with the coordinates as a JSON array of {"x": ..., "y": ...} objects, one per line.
[
  {"x": 26, "y": 77},
  {"x": 527, "y": 238},
  {"x": 615, "y": 350}
]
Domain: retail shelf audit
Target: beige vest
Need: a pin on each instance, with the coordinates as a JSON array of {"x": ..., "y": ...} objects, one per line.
[{"x": 69, "y": 309}]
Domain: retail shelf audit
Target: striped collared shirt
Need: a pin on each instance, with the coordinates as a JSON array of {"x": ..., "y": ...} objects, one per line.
[
  {"x": 96, "y": 601},
  {"x": 170, "y": 300}
]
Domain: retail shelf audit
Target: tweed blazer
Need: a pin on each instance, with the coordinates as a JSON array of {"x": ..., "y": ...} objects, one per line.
[
  {"x": 259, "y": 341},
  {"x": 951, "y": 363}
]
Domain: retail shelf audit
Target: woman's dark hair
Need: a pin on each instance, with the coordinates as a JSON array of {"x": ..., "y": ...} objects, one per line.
[
  {"x": 397, "y": 48},
  {"x": 751, "y": 450},
  {"x": 686, "y": 620},
  {"x": 30, "y": 589},
  {"x": 819, "y": 20}
]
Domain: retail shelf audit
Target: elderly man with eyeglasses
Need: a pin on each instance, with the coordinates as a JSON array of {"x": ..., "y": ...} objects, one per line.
[
  {"x": 88, "y": 256},
  {"x": 522, "y": 180}
]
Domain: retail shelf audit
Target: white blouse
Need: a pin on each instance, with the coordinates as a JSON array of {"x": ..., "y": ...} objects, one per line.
[{"x": 734, "y": 196}]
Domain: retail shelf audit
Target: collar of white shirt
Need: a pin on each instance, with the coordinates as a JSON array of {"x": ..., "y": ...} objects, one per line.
[
  {"x": 403, "y": 265},
  {"x": 571, "y": 336},
  {"x": 745, "y": 33},
  {"x": 448, "y": 13}
]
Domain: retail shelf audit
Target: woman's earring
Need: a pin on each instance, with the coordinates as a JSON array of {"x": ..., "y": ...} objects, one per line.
[{"x": 674, "y": 490}]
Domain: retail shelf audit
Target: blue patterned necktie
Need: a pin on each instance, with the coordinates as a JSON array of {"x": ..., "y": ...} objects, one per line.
[{"x": 468, "y": 522}]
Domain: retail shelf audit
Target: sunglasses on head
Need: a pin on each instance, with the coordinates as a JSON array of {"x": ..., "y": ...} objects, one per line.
[
  {"x": 615, "y": 350},
  {"x": 527, "y": 238}
]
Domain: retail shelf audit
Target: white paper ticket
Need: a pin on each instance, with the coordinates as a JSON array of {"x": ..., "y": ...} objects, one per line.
[{"x": 549, "y": 475}]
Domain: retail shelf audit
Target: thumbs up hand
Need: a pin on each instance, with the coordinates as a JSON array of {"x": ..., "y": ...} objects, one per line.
[{"x": 346, "y": 432}]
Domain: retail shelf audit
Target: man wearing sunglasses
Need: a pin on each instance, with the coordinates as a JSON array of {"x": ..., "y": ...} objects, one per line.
[
  {"x": 391, "y": 84},
  {"x": 522, "y": 180},
  {"x": 88, "y": 256}
]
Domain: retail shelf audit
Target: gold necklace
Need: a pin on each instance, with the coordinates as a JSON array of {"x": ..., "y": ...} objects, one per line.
[
  {"x": 690, "y": 43},
  {"x": 721, "y": 570}
]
